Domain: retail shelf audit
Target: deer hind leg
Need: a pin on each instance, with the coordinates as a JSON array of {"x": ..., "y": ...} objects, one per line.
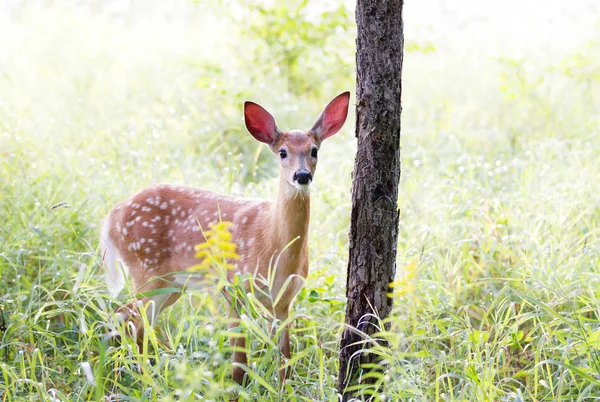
[{"x": 148, "y": 307}]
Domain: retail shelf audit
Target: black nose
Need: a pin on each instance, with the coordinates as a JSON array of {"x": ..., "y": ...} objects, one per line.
[{"x": 303, "y": 177}]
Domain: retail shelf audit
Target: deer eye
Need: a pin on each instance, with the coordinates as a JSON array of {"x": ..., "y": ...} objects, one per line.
[
  {"x": 314, "y": 153},
  {"x": 282, "y": 153}
]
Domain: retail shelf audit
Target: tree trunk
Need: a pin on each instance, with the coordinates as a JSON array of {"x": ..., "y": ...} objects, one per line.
[{"x": 374, "y": 220}]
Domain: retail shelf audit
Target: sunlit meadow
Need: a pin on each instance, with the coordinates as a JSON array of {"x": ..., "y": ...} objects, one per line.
[{"x": 497, "y": 294}]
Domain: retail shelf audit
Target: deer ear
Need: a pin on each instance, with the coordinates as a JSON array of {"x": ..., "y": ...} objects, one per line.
[
  {"x": 260, "y": 123},
  {"x": 332, "y": 118}
]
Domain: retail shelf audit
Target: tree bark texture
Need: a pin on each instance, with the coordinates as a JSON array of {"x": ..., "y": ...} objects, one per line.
[{"x": 374, "y": 219}]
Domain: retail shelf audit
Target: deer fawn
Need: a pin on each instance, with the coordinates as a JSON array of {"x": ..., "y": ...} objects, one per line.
[{"x": 154, "y": 232}]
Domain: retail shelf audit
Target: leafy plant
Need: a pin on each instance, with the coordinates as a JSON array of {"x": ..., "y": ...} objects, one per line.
[{"x": 299, "y": 40}]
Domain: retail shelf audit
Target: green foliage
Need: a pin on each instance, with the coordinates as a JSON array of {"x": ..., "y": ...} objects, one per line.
[
  {"x": 497, "y": 291},
  {"x": 301, "y": 41}
]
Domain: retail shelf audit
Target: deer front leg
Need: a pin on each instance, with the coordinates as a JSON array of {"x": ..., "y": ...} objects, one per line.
[
  {"x": 284, "y": 343},
  {"x": 238, "y": 344}
]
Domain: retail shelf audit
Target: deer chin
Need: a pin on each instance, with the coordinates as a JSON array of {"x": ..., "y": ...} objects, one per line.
[{"x": 297, "y": 190}]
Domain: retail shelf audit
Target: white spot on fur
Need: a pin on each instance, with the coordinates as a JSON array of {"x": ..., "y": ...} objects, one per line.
[
  {"x": 134, "y": 246},
  {"x": 163, "y": 205}
]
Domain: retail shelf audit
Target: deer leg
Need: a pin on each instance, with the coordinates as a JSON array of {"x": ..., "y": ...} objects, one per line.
[
  {"x": 238, "y": 344},
  {"x": 131, "y": 313},
  {"x": 284, "y": 343}
]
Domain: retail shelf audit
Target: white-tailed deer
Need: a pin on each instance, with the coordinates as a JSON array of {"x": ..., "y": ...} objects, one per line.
[{"x": 154, "y": 232}]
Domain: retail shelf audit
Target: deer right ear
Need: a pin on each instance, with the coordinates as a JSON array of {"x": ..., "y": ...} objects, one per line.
[{"x": 260, "y": 123}]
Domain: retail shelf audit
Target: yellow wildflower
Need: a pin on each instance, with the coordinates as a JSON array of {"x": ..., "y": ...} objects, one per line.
[{"x": 218, "y": 249}]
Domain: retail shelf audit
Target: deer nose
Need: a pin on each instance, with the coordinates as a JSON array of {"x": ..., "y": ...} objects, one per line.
[{"x": 303, "y": 177}]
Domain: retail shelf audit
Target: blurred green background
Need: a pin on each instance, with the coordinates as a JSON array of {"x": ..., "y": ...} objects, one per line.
[{"x": 497, "y": 291}]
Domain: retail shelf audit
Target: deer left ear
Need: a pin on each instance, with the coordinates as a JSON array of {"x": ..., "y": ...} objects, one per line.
[{"x": 332, "y": 118}]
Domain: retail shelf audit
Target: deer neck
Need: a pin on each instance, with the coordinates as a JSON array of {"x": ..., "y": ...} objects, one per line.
[{"x": 290, "y": 215}]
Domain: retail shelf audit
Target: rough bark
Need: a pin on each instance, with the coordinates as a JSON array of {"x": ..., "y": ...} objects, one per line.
[{"x": 374, "y": 219}]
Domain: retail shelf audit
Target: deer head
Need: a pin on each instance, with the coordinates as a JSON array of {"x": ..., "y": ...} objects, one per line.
[{"x": 297, "y": 150}]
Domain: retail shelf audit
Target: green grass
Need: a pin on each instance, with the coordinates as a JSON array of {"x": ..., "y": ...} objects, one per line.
[{"x": 499, "y": 251}]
